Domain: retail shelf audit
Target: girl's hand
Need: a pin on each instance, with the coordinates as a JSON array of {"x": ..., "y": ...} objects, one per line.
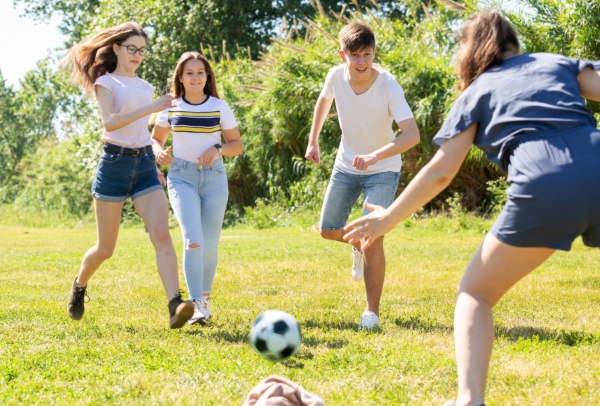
[
  {"x": 369, "y": 228},
  {"x": 208, "y": 157},
  {"x": 164, "y": 157},
  {"x": 161, "y": 103},
  {"x": 161, "y": 178}
]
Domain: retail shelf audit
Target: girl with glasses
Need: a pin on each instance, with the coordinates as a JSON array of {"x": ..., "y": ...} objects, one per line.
[
  {"x": 106, "y": 64},
  {"x": 528, "y": 114},
  {"x": 197, "y": 179}
]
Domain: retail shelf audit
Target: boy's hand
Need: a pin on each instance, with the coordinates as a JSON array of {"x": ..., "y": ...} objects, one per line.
[
  {"x": 313, "y": 154},
  {"x": 362, "y": 162}
]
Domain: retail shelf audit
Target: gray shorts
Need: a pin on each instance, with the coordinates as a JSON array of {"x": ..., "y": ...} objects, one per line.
[
  {"x": 554, "y": 193},
  {"x": 344, "y": 190}
]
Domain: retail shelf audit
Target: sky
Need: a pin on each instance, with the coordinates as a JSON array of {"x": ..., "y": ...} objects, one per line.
[{"x": 24, "y": 42}]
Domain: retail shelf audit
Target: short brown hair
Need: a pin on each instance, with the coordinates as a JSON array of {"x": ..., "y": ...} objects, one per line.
[
  {"x": 356, "y": 36},
  {"x": 210, "y": 88},
  {"x": 485, "y": 37}
]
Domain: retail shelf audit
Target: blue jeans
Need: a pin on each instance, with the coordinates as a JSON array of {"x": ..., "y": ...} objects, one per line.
[
  {"x": 198, "y": 196},
  {"x": 344, "y": 190}
]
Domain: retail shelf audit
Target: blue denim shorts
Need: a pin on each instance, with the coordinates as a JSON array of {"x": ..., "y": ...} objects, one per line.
[
  {"x": 344, "y": 190},
  {"x": 554, "y": 193},
  {"x": 121, "y": 176}
]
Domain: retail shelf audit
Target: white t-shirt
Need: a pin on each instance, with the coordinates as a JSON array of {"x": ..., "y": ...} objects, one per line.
[
  {"x": 196, "y": 127},
  {"x": 366, "y": 119},
  {"x": 128, "y": 94}
]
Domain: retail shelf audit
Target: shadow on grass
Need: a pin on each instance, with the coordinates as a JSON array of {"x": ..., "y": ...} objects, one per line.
[
  {"x": 428, "y": 326},
  {"x": 333, "y": 325},
  {"x": 569, "y": 338},
  {"x": 564, "y": 337},
  {"x": 230, "y": 336},
  {"x": 315, "y": 342}
]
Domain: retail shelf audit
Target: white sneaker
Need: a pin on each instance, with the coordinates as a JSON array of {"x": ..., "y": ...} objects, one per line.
[
  {"x": 205, "y": 307},
  {"x": 368, "y": 321},
  {"x": 358, "y": 265},
  {"x": 201, "y": 311}
]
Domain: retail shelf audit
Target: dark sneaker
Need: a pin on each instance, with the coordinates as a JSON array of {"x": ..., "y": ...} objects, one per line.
[
  {"x": 76, "y": 307},
  {"x": 180, "y": 311}
]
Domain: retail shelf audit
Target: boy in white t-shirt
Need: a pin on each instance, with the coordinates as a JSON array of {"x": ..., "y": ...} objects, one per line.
[{"x": 367, "y": 99}]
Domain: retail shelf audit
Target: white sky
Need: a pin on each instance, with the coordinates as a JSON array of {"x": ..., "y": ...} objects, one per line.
[{"x": 23, "y": 42}]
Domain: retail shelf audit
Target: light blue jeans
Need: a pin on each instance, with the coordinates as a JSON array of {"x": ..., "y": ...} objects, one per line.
[
  {"x": 345, "y": 188},
  {"x": 198, "y": 196}
]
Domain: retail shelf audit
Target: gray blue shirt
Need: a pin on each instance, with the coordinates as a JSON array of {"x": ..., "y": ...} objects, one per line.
[{"x": 526, "y": 96}]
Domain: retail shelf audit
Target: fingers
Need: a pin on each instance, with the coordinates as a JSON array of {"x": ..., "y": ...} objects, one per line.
[
  {"x": 372, "y": 207},
  {"x": 168, "y": 150},
  {"x": 313, "y": 157}
]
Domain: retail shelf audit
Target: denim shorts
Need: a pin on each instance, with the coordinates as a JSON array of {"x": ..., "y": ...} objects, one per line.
[
  {"x": 344, "y": 190},
  {"x": 121, "y": 176},
  {"x": 554, "y": 193}
]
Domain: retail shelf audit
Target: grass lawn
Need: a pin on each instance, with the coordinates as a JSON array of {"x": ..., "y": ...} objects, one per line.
[{"x": 122, "y": 352}]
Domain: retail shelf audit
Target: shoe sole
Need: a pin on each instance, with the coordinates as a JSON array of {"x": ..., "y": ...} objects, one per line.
[
  {"x": 184, "y": 312},
  {"x": 358, "y": 277},
  {"x": 201, "y": 320},
  {"x": 72, "y": 316}
]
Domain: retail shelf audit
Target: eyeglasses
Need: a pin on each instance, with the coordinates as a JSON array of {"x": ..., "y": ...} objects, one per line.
[{"x": 132, "y": 49}]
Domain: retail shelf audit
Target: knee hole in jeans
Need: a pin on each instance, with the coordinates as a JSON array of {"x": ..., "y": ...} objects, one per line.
[{"x": 192, "y": 246}]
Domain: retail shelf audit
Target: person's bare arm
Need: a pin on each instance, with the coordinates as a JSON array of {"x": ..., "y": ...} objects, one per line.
[
  {"x": 320, "y": 115},
  {"x": 408, "y": 138},
  {"x": 428, "y": 183},
  {"x": 589, "y": 82},
  {"x": 113, "y": 121}
]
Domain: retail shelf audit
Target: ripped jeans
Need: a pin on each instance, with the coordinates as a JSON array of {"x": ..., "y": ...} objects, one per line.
[{"x": 198, "y": 196}]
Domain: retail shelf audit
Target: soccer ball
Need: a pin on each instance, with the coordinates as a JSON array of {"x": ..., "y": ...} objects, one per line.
[{"x": 275, "y": 335}]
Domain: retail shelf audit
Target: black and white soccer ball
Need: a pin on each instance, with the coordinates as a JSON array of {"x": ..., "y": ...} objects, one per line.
[{"x": 275, "y": 335}]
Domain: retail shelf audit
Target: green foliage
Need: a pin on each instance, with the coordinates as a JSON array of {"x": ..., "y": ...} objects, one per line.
[
  {"x": 59, "y": 175},
  {"x": 32, "y": 115},
  {"x": 497, "y": 194}
]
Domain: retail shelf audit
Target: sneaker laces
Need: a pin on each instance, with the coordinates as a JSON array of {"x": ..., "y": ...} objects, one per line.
[
  {"x": 205, "y": 306},
  {"x": 80, "y": 295},
  {"x": 357, "y": 258}
]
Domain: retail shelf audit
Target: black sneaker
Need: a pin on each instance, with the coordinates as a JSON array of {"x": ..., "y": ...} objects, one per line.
[
  {"x": 76, "y": 307},
  {"x": 180, "y": 311}
]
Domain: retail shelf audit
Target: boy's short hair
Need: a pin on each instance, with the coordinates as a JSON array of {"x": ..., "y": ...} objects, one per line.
[{"x": 356, "y": 36}]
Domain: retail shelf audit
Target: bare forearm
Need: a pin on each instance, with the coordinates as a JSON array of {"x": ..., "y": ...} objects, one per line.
[
  {"x": 428, "y": 183},
  {"x": 115, "y": 121},
  {"x": 232, "y": 148},
  {"x": 319, "y": 116}
]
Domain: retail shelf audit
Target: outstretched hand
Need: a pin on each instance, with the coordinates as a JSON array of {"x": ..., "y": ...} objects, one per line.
[{"x": 369, "y": 228}]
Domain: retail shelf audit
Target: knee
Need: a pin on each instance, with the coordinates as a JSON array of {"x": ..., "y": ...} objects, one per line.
[
  {"x": 477, "y": 295},
  {"x": 330, "y": 234},
  {"x": 160, "y": 236},
  {"x": 192, "y": 245},
  {"x": 104, "y": 253}
]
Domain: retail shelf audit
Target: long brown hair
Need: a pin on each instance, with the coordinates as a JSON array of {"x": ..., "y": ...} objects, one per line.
[
  {"x": 210, "y": 88},
  {"x": 93, "y": 57},
  {"x": 485, "y": 37}
]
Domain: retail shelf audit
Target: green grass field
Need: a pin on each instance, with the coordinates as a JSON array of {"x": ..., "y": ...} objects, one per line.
[{"x": 123, "y": 352}]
